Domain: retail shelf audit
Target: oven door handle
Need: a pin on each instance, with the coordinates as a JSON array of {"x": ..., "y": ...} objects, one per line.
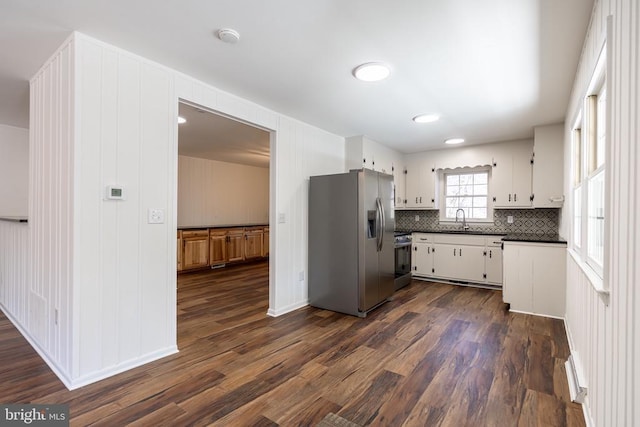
[{"x": 402, "y": 245}]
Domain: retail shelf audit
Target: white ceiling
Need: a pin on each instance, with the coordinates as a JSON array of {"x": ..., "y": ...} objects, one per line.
[
  {"x": 210, "y": 136},
  {"x": 492, "y": 69}
]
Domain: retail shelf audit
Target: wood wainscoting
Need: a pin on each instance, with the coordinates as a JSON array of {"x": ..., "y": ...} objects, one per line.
[{"x": 435, "y": 355}]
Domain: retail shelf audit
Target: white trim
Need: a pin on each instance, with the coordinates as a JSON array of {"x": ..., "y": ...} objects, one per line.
[
  {"x": 586, "y": 410},
  {"x": 62, "y": 376},
  {"x": 594, "y": 279},
  {"x": 287, "y": 309},
  {"x": 122, "y": 367},
  {"x": 536, "y": 314}
]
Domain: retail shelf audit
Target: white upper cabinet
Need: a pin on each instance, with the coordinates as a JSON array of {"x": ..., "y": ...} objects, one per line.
[
  {"x": 400, "y": 183},
  {"x": 361, "y": 152},
  {"x": 421, "y": 183},
  {"x": 548, "y": 161},
  {"x": 511, "y": 178}
]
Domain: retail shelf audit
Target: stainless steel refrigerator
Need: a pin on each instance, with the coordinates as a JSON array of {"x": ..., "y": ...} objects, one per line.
[{"x": 351, "y": 242}]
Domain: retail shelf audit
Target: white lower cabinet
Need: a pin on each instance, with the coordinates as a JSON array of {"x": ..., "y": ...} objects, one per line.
[
  {"x": 493, "y": 258},
  {"x": 454, "y": 257},
  {"x": 422, "y": 255},
  {"x": 534, "y": 278},
  {"x": 459, "y": 262}
]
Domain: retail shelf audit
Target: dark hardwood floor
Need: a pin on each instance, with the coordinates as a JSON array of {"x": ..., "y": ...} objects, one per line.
[{"x": 435, "y": 355}]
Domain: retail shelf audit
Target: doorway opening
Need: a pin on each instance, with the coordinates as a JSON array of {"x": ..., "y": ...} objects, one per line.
[{"x": 223, "y": 202}]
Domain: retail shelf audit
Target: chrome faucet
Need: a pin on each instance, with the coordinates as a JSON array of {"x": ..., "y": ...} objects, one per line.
[{"x": 465, "y": 227}]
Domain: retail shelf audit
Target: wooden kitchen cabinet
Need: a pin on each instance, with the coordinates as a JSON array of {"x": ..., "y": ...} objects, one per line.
[
  {"x": 511, "y": 176},
  {"x": 420, "y": 184},
  {"x": 253, "y": 242},
  {"x": 218, "y": 247},
  {"x": 179, "y": 250},
  {"x": 235, "y": 245},
  {"x": 534, "y": 278},
  {"x": 195, "y": 248},
  {"x": 265, "y": 242}
]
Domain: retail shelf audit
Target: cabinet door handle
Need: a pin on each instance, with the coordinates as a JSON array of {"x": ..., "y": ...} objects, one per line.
[
  {"x": 509, "y": 196},
  {"x": 489, "y": 254},
  {"x": 454, "y": 251},
  {"x": 460, "y": 252},
  {"x": 416, "y": 200},
  {"x": 515, "y": 197},
  {"x": 428, "y": 249}
]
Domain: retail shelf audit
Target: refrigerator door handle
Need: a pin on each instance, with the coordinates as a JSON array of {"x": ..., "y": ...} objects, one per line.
[
  {"x": 379, "y": 221},
  {"x": 384, "y": 224}
]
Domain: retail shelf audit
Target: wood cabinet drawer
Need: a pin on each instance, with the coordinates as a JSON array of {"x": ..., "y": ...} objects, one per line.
[{"x": 187, "y": 234}]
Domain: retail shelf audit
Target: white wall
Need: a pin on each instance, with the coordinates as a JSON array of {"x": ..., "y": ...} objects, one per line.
[
  {"x": 213, "y": 193},
  {"x": 14, "y": 171},
  {"x": 605, "y": 338},
  {"x": 102, "y": 291}
]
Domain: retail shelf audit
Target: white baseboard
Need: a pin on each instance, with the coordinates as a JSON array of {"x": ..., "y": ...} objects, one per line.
[
  {"x": 536, "y": 314},
  {"x": 60, "y": 373},
  {"x": 284, "y": 310},
  {"x": 122, "y": 367},
  {"x": 579, "y": 372},
  {"x": 74, "y": 383}
]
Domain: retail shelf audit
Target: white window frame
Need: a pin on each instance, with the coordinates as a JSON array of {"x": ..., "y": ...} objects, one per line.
[
  {"x": 586, "y": 172},
  {"x": 442, "y": 193}
]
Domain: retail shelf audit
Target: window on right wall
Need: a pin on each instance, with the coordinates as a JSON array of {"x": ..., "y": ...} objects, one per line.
[{"x": 589, "y": 163}]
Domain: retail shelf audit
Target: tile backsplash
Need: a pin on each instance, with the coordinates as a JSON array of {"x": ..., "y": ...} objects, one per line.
[{"x": 525, "y": 221}]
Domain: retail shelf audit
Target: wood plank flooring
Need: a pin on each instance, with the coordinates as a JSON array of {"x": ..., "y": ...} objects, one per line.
[{"x": 437, "y": 355}]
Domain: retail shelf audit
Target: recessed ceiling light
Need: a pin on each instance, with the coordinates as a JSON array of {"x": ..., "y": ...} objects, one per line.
[
  {"x": 371, "y": 72},
  {"x": 426, "y": 118},
  {"x": 228, "y": 35},
  {"x": 454, "y": 141},
  {"x": 181, "y": 120}
]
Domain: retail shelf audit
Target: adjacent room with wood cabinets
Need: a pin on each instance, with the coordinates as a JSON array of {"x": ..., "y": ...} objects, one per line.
[{"x": 223, "y": 192}]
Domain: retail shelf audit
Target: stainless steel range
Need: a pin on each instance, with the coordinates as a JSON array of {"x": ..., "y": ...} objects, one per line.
[{"x": 403, "y": 259}]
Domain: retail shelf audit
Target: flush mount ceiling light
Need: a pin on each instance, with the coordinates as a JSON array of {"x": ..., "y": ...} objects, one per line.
[
  {"x": 452, "y": 141},
  {"x": 181, "y": 120},
  {"x": 426, "y": 118},
  {"x": 228, "y": 35},
  {"x": 371, "y": 72}
]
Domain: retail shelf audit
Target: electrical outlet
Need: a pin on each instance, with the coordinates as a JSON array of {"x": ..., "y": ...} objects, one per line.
[
  {"x": 281, "y": 218},
  {"x": 417, "y": 218},
  {"x": 509, "y": 219},
  {"x": 156, "y": 216}
]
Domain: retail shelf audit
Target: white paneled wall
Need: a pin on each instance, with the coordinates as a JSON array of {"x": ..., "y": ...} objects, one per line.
[
  {"x": 14, "y": 263},
  {"x": 124, "y": 287},
  {"x": 219, "y": 193},
  {"x": 606, "y": 337},
  {"x": 14, "y": 171},
  {"x": 51, "y": 212},
  {"x": 100, "y": 296}
]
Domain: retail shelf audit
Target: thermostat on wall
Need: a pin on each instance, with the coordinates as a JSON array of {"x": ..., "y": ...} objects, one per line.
[{"x": 115, "y": 192}]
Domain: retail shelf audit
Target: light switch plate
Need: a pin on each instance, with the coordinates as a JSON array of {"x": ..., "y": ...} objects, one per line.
[
  {"x": 156, "y": 216},
  {"x": 509, "y": 219},
  {"x": 281, "y": 218}
]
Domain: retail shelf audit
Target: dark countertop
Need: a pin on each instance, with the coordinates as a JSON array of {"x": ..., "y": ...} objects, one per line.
[
  {"x": 199, "y": 227},
  {"x": 506, "y": 237},
  {"x": 535, "y": 238},
  {"x": 469, "y": 232},
  {"x": 14, "y": 218}
]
